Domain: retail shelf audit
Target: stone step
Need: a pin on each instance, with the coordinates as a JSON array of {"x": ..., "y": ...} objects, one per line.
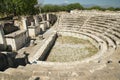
[
  {"x": 35, "y": 68},
  {"x": 110, "y": 34},
  {"x": 110, "y": 42},
  {"x": 18, "y": 72},
  {"x": 52, "y": 68},
  {"x": 43, "y": 67},
  {"x": 107, "y": 74},
  {"x": 56, "y": 78},
  {"x": 36, "y": 72},
  {"x": 6, "y": 76},
  {"x": 61, "y": 73}
]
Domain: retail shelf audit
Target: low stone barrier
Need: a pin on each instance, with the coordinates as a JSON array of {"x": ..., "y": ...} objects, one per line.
[{"x": 44, "y": 49}]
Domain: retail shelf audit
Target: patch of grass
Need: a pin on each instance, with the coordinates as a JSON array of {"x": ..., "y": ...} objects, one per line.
[{"x": 71, "y": 40}]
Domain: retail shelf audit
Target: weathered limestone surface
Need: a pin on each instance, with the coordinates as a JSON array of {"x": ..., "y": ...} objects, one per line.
[
  {"x": 16, "y": 40},
  {"x": 3, "y": 44},
  {"x": 33, "y": 30},
  {"x": 23, "y": 25},
  {"x": 43, "y": 51},
  {"x": 36, "y": 20},
  {"x": 102, "y": 28},
  {"x": 48, "y": 24},
  {"x": 43, "y": 26},
  {"x": 48, "y": 16}
]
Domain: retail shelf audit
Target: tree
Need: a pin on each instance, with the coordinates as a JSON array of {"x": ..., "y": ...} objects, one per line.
[
  {"x": 97, "y": 8},
  {"x": 74, "y": 6},
  {"x": 57, "y": 8},
  {"x": 111, "y": 9},
  {"x": 18, "y": 7},
  {"x": 117, "y": 9}
]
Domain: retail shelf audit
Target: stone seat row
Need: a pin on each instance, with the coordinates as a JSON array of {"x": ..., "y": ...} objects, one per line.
[
  {"x": 90, "y": 32},
  {"x": 115, "y": 40},
  {"x": 98, "y": 29},
  {"x": 101, "y": 29},
  {"x": 105, "y": 20},
  {"x": 102, "y": 22},
  {"x": 110, "y": 36},
  {"x": 82, "y": 73},
  {"x": 109, "y": 41},
  {"x": 104, "y": 27}
]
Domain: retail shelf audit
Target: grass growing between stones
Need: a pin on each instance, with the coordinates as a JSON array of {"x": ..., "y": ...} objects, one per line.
[{"x": 68, "y": 49}]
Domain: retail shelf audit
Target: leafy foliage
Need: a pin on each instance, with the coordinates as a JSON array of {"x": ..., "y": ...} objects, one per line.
[
  {"x": 26, "y": 7},
  {"x": 103, "y": 9},
  {"x": 56, "y": 8},
  {"x": 74, "y": 6},
  {"x": 96, "y": 8},
  {"x": 18, "y": 7}
]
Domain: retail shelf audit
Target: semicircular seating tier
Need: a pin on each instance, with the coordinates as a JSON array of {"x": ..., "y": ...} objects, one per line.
[{"x": 104, "y": 26}]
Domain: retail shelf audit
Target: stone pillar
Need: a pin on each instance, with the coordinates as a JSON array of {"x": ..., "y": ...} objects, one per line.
[
  {"x": 48, "y": 17},
  {"x": 43, "y": 26},
  {"x": 36, "y": 20},
  {"x": 3, "y": 44},
  {"x": 48, "y": 24},
  {"x": 24, "y": 25}
]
